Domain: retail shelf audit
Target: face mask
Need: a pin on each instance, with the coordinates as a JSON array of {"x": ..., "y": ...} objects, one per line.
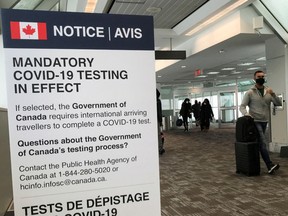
[{"x": 260, "y": 81}]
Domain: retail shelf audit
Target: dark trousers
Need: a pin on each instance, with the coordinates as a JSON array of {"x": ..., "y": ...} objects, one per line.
[
  {"x": 160, "y": 143},
  {"x": 205, "y": 124},
  {"x": 185, "y": 122}
]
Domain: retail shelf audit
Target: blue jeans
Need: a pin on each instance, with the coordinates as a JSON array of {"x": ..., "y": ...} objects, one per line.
[{"x": 261, "y": 127}]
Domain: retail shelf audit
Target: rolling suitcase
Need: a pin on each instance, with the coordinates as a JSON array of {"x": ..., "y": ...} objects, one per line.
[
  {"x": 246, "y": 130},
  {"x": 247, "y": 158}
]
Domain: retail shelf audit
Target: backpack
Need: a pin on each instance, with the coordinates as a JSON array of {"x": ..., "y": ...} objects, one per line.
[{"x": 246, "y": 130}]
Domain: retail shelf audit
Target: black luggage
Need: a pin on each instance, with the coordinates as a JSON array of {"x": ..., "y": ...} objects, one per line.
[
  {"x": 247, "y": 158},
  {"x": 179, "y": 122},
  {"x": 246, "y": 130}
]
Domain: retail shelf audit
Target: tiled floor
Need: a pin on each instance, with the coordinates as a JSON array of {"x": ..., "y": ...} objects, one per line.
[{"x": 198, "y": 178}]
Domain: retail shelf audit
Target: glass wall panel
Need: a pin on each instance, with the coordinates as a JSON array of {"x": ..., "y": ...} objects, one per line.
[
  {"x": 279, "y": 10},
  {"x": 225, "y": 104}
]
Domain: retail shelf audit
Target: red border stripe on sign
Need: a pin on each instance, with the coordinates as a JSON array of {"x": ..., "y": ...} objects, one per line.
[
  {"x": 42, "y": 32},
  {"x": 15, "y": 30}
]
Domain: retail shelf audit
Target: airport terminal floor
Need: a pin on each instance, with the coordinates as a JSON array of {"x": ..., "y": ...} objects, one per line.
[{"x": 198, "y": 178}]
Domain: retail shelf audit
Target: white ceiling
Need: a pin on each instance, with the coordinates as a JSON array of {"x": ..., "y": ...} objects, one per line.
[
  {"x": 169, "y": 17},
  {"x": 236, "y": 50}
]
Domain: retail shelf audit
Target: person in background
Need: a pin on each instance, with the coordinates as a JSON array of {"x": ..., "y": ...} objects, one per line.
[
  {"x": 196, "y": 112},
  {"x": 185, "y": 112},
  {"x": 259, "y": 99},
  {"x": 160, "y": 124},
  {"x": 206, "y": 115}
]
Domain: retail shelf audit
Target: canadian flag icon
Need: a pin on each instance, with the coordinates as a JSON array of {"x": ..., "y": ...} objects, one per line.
[{"x": 28, "y": 30}]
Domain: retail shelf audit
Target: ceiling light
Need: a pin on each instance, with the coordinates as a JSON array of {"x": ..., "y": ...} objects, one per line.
[
  {"x": 216, "y": 17},
  {"x": 159, "y": 76},
  {"x": 201, "y": 76},
  {"x": 235, "y": 72},
  {"x": 253, "y": 68},
  {"x": 228, "y": 68},
  {"x": 213, "y": 72},
  {"x": 261, "y": 59},
  {"x": 222, "y": 76},
  {"x": 245, "y": 64},
  {"x": 183, "y": 66},
  {"x": 153, "y": 9},
  {"x": 90, "y": 6}
]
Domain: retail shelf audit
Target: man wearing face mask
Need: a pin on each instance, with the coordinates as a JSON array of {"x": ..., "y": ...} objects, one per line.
[{"x": 259, "y": 99}]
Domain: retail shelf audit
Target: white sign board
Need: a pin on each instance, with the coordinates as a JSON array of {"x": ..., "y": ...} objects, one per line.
[{"x": 82, "y": 113}]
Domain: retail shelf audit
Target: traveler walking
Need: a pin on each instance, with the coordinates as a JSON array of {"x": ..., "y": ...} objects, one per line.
[
  {"x": 259, "y": 99},
  {"x": 206, "y": 115},
  {"x": 185, "y": 112},
  {"x": 196, "y": 112}
]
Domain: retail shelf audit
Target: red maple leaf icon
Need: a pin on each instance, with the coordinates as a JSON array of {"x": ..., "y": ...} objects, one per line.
[{"x": 29, "y": 30}]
